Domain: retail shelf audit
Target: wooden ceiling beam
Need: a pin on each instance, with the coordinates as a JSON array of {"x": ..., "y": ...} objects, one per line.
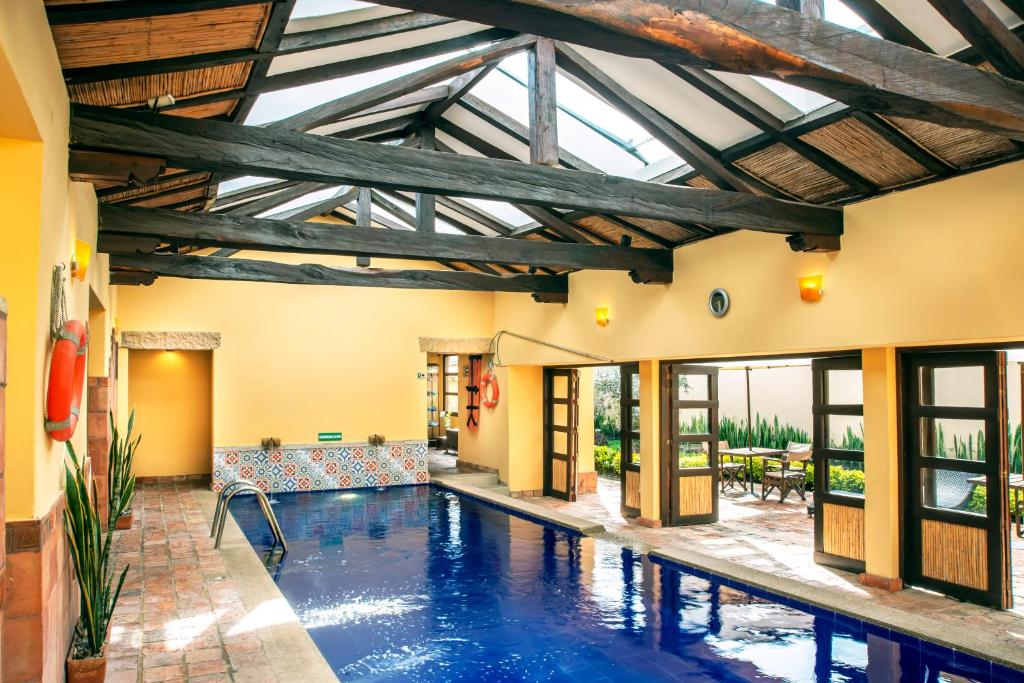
[
  {"x": 343, "y": 34},
  {"x": 230, "y": 148},
  {"x": 757, "y": 38},
  {"x": 403, "y": 85},
  {"x": 210, "y": 268},
  {"x": 886, "y": 24},
  {"x": 993, "y": 39},
  {"x": 287, "y": 79},
  {"x": 293, "y": 236},
  {"x": 117, "y": 10}
]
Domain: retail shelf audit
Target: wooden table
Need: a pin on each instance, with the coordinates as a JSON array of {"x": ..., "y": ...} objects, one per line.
[
  {"x": 748, "y": 454},
  {"x": 1016, "y": 484}
]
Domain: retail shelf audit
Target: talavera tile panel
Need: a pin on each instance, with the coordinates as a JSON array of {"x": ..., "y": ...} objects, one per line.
[{"x": 322, "y": 467}]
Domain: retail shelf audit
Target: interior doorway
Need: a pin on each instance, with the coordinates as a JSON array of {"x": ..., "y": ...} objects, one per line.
[{"x": 172, "y": 395}]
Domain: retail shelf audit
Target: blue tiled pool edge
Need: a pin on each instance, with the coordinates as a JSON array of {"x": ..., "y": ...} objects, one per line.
[{"x": 1000, "y": 665}]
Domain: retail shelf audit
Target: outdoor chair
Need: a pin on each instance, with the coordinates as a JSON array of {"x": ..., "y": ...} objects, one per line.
[
  {"x": 732, "y": 473},
  {"x": 787, "y": 479}
]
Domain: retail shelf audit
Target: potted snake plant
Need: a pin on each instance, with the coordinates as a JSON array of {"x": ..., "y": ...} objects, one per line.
[
  {"x": 89, "y": 548},
  {"x": 121, "y": 481}
]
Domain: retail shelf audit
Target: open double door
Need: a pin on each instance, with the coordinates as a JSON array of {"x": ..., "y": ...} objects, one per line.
[
  {"x": 561, "y": 432},
  {"x": 690, "y": 457}
]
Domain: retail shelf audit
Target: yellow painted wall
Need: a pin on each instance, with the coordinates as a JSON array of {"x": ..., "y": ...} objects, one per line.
[
  {"x": 487, "y": 445},
  {"x": 297, "y": 360},
  {"x": 881, "y": 462},
  {"x": 939, "y": 263},
  {"x": 172, "y": 394},
  {"x": 43, "y": 215}
]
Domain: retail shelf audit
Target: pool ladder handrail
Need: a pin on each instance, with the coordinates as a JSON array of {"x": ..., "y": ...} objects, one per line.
[{"x": 220, "y": 513}]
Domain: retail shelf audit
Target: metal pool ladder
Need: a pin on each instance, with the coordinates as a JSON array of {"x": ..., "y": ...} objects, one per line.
[{"x": 220, "y": 513}]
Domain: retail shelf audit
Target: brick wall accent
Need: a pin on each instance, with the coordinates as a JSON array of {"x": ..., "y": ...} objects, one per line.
[
  {"x": 42, "y": 605},
  {"x": 99, "y": 436}
]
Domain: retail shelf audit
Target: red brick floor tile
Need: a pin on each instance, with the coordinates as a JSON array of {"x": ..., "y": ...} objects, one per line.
[{"x": 175, "y": 617}]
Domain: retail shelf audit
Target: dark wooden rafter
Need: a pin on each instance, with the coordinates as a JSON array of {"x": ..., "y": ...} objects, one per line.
[
  {"x": 205, "y": 268},
  {"x": 381, "y": 27},
  {"x": 886, "y": 24},
  {"x": 281, "y": 81},
  {"x": 426, "y": 205},
  {"x": 116, "y": 10},
  {"x": 278, "y": 235},
  {"x": 130, "y": 169},
  {"x": 543, "y": 103},
  {"x": 230, "y": 148},
  {"x": 364, "y": 216},
  {"x": 756, "y": 38},
  {"x": 403, "y": 85},
  {"x": 993, "y": 39}
]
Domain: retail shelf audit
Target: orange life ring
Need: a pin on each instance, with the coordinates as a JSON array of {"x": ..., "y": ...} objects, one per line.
[
  {"x": 489, "y": 381},
  {"x": 67, "y": 377}
]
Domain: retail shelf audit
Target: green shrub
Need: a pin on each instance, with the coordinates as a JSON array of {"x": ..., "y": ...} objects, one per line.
[{"x": 606, "y": 460}]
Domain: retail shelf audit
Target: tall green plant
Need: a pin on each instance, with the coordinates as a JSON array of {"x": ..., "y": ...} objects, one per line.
[
  {"x": 90, "y": 554},
  {"x": 122, "y": 482}
]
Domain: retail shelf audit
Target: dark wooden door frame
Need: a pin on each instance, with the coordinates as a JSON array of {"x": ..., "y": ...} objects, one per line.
[
  {"x": 670, "y": 438},
  {"x": 627, "y": 432},
  {"x": 821, "y": 409},
  {"x": 570, "y": 429},
  {"x": 995, "y": 468}
]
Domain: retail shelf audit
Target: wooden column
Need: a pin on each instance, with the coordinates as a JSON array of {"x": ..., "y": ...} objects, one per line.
[
  {"x": 543, "y": 104},
  {"x": 650, "y": 443},
  {"x": 364, "y": 210},
  {"x": 425, "y": 205},
  {"x": 881, "y": 469}
]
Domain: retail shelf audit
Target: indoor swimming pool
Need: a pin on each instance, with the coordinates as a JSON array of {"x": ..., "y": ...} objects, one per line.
[{"x": 420, "y": 584}]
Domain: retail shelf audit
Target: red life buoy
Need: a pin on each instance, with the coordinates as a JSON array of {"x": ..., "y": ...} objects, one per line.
[
  {"x": 491, "y": 382},
  {"x": 67, "y": 377}
]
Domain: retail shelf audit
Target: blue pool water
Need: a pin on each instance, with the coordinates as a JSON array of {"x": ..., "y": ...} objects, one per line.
[{"x": 419, "y": 584}]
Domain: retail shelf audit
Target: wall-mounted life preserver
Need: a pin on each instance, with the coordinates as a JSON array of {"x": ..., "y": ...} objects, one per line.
[
  {"x": 489, "y": 381},
  {"x": 67, "y": 377}
]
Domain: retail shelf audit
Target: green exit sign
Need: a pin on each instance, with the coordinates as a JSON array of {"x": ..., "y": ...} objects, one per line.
[{"x": 328, "y": 436}]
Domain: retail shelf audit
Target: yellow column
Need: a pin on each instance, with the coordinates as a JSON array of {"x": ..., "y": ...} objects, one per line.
[
  {"x": 586, "y": 476},
  {"x": 524, "y": 471},
  {"x": 650, "y": 443},
  {"x": 881, "y": 469}
]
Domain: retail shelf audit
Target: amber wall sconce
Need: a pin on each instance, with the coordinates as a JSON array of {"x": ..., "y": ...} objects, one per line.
[
  {"x": 810, "y": 288},
  {"x": 601, "y": 316},
  {"x": 80, "y": 262}
]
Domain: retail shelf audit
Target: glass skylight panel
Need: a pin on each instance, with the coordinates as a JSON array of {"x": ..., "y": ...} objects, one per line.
[
  {"x": 273, "y": 106},
  {"x": 239, "y": 183},
  {"x": 316, "y": 8},
  {"x": 500, "y": 210},
  {"x": 587, "y": 126},
  {"x": 804, "y": 100},
  {"x": 318, "y": 195}
]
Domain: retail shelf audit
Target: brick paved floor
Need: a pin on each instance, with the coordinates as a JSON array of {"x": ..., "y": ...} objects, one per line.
[{"x": 179, "y": 617}]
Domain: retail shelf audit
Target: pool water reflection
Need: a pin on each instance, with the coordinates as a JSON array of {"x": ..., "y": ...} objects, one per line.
[{"x": 419, "y": 584}]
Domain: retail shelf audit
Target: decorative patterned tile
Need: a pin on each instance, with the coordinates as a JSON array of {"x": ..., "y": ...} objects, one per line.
[{"x": 318, "y": 468}]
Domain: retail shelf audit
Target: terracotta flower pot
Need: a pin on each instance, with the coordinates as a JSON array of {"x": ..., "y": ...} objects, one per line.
[
  {"x": 91, "y": 670},
  {"x": 124, "y": 521}
]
